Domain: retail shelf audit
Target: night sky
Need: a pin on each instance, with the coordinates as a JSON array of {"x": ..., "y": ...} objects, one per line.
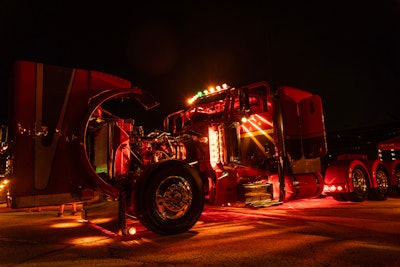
[{"x": 348, "y": 52}]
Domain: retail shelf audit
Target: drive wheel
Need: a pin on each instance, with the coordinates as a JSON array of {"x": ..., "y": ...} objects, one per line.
[
  {"x": 397, "y": 176},
  {"x": 360, "y": 185},
  {"x": 169, "y": 199},
  {"x": 382, "y": 190}
]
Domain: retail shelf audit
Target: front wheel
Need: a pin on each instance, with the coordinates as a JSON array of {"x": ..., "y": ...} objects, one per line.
[{"x": 169, "y": 199}]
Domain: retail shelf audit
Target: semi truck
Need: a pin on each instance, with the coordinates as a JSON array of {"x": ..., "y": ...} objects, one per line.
[{"x": 72, "y": 137}]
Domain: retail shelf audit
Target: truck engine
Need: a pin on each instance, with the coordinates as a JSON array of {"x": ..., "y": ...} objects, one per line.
[{"x": 128, "y": 159}]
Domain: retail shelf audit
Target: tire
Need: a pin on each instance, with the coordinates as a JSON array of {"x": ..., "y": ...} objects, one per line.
[
  {"x": 382, "y": 190},
  {"x": 169, "y": 199},
  {"x": 397, "y": 185},
  {"x": 339, "y": 197},
  {"x": 360, "y": 185}
]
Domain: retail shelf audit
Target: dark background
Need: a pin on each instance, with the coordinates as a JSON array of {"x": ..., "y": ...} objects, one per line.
[{"x": 346, "y": 51}]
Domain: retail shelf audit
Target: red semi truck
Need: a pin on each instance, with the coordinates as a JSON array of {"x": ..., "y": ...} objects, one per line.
[{"x": 72, "y": 137}]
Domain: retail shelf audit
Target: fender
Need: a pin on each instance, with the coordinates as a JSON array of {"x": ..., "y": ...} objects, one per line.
[{"x": 338, "y": 176}]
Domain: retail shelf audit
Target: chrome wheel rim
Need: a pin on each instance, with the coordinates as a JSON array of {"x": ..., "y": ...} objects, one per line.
[
  {"x": 173, "y": 197},
  {"x": 359, "y": 181}
]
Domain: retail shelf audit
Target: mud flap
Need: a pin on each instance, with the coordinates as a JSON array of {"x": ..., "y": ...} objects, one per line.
[{"x": 107, "y": 214}]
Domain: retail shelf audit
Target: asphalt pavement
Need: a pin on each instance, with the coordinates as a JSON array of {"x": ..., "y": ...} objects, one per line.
[{"x": 315, "y": 232}]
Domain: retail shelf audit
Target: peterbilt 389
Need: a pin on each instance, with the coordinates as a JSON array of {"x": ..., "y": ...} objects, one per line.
[{"x": 72, "y": 138}]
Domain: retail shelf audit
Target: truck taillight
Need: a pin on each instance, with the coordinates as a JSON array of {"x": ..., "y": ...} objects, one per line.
[{"x": 333, "y": 188}]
